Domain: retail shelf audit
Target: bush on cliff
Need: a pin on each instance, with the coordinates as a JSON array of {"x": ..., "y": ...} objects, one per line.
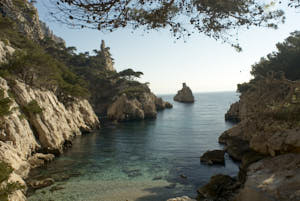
[
  {"x": 32, "y": 108},
  {"x": 6, "y": 188},
  {"x": 5, "y": 104}
]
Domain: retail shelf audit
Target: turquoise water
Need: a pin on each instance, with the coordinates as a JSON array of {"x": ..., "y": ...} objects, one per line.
[{"x": 143, "y": 161}]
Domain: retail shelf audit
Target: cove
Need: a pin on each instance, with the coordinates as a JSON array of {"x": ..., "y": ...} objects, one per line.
[{"x": 151, "y": 160}]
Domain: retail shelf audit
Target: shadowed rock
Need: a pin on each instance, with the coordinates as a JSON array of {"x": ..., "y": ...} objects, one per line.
[
  {"x": 213, "y": 157},
  {"x": 184, "y": 95}
]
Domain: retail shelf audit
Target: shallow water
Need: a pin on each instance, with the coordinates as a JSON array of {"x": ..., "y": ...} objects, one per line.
[{"x": 143, "y": 161}]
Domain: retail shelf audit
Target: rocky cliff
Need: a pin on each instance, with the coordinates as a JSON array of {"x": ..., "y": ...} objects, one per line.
[
  {"x": 36, "y": 124},
  {"x": 143, "y": 106},
  {"x": 184, "y": 95},
  {"x": 267, "y": 140}
]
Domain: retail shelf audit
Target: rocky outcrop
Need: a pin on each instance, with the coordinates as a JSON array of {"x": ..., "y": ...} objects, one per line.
[
  {"x": 266, "y": 140},
  {"x": 213, "y": 157},
  {"x": 233, "y": 113},
  {"x": 274, "y": 178},
  {"x": 23, "y": 131},
  {"x": 108, "y": 61},
  {"x": 183, "y": 198},
  {"x": 48, "y": 33},
  {"x": 144, "y": 106},
  {"x": 5, "y": 51},
  {"x": 124, "y": 109},
  {"x": 220, "y": 188},
  {"x": 184, "y": 95},
  {"x": 26, "y": 17}
]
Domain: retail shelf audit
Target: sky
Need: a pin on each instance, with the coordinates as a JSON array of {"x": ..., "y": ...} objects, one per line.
[{"x": 206, "y": 65}]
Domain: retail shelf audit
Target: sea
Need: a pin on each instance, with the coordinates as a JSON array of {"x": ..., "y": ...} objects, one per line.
[{"x": 150, "y": 160}]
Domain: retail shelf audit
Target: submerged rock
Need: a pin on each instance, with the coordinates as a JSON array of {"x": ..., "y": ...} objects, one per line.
[
  {"x": 183, "y": 198},
  {"x": 220, "y": 188},
  {"x": 213, "y": 157},
  {"x": 38, "y": 184},
  {"x": 184, "y": 95}
]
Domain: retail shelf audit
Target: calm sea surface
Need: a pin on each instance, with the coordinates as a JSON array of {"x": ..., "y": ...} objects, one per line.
[{"x": 143, "y": 161}]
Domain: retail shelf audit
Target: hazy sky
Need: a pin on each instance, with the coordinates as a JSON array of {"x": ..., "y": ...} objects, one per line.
[{"x": 203, "y": 63}]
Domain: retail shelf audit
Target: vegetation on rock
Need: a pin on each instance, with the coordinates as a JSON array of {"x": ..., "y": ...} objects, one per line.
[
  {"x": 32, "y": 108},
  {"x": 6, "y": 188},
  {"x": 5, "y": 104}
]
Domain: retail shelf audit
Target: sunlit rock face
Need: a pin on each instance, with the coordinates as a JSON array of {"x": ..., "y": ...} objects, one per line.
[
  {"x": 143, "y": 106},
  {"x": 268, "y": 128},
  {"x": 184, "y": 95},
  {"x": 21, "y": 134},
  {"x": 5, "y": 51},
  {"x": 276, "y": 178},
  {"x": 108, "y": 62}
]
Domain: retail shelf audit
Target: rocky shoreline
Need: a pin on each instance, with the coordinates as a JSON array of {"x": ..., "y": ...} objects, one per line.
[{"x": 265, "y": 141}]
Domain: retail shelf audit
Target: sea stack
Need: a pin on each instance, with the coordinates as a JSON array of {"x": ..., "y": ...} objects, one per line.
[{"x": 184, "y": 95}]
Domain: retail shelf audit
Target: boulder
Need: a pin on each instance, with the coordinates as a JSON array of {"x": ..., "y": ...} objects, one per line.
[
  {"x": 213, "y": 157},
  {"x": 184, "y": 95},
  {"x": 220, "y": 188},
  {"x": 38, "y": 184},
  {"x": 183, "y": 198},
  {"x": 124, "y": 109},
  {"x": 168, "y": 105},
  {"x": 274, "y": 178}
]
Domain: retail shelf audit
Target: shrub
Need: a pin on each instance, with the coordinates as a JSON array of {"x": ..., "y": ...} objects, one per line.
[
  {"x": 5, "y": 104},
  {"x": 32, "y": 108},
  {"x": 9, "y": 188}
]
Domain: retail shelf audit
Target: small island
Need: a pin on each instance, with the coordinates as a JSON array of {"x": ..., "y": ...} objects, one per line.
[{"x": 185, "y": 95}]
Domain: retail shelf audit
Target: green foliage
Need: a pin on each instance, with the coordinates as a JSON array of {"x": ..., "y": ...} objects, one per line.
[
  {"x": 39, "y": 69},
  {"x": 130, "y": 74},
  {"x": 214, "y": 18},
  {"x": 5, "y": 104},
  {"x": 32, "y": 108},
  {"x": 285, "y": 61},
  {"x": 241, "y": 88},
  {"x": 5, "y": 171},
  {"x": 6, "y": 190}
]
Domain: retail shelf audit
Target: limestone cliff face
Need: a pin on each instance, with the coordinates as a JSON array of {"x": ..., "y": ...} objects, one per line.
[
  {"x": 5, "y": 51},
  {"x": 144, "y": 106},
  {"x": 108, "y": 61},
  {"x": 184, "y": 95},
  {"x": 269, "y": 126},
  {"x": 23, "y": 135},
  {"x": 27, "y": 19}
]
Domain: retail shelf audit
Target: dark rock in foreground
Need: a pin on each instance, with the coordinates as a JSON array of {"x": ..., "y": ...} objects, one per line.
[
  {"x": 220, "y": 188},
  {"x": 213, "y": 157},
  {"x": 184, "y": 95}
]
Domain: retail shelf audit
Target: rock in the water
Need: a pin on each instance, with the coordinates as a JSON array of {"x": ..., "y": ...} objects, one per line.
[
  {"x": 220, "y": 187},
  {"x": 184, "y": 95},
  {"x": 213, "y": 157},
  {"x": 39, "y": 159},
  {"x": 42, "y": 183},
  {"x": 168, "y": 105},
  {"x": 124, "y": 109},
  {"x": 183, "y": 198}
]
